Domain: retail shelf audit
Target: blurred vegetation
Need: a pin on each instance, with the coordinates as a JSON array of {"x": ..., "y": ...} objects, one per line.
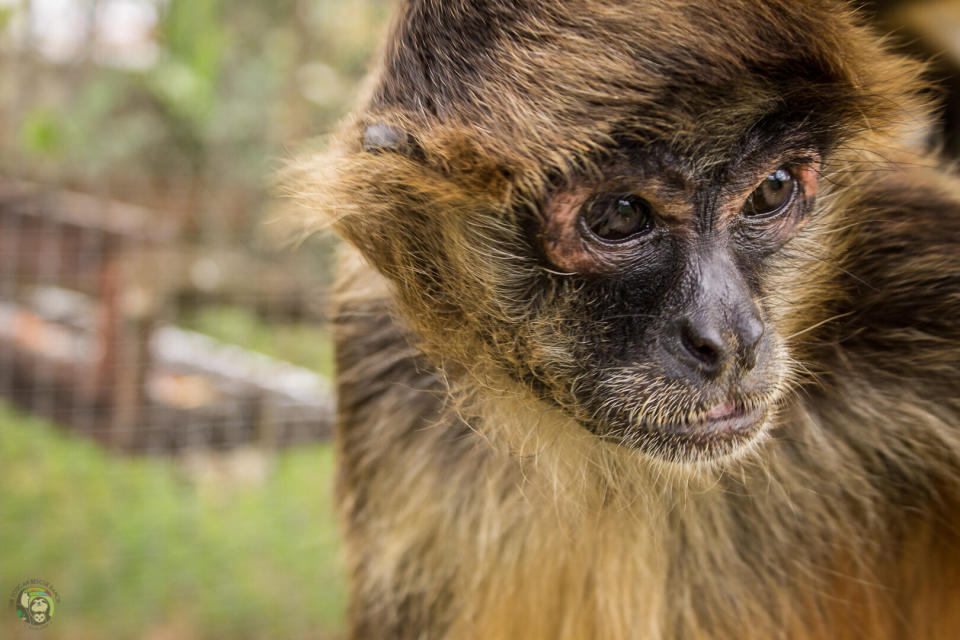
[
  {"x": 239, "y": 544},
  {"x": 141, "y": 549},
  {"x": 231, "y": 86}
]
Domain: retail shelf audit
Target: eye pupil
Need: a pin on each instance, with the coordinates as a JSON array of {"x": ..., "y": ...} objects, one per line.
[
  {"x": 773, "y": 194},
  {"x": 618, "y": 218}
]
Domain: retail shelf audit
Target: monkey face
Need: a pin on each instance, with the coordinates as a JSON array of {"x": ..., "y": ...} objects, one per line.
[{"x": 676, "y": 352}]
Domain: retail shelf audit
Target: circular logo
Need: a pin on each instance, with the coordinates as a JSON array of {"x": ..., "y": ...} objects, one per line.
[{"x": 34, "y": 601}]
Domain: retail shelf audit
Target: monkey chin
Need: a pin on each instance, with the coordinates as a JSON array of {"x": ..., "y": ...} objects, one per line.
[{"x": 726, "y": 431}]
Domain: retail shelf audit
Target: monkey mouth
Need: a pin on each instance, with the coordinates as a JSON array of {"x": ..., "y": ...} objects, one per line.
[
  {"x": 722, "y": 430},
  {"x": 690, "y": 425},
  {"x": 725, "y": 420}
]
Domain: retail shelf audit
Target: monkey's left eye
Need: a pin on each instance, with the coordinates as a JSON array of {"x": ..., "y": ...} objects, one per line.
[
  {"x": 773, "y": 195},
  {"x": 616, "y": 218}
]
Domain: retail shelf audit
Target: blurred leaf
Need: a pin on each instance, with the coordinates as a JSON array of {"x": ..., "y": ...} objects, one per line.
[
  {"x": 42, "y": 132},
  {"x": 6, "y": 13},
  {"x": 194, "y": 38},
  {"x": 187, "y": 93},
  {"x": 193, "y": 34}
]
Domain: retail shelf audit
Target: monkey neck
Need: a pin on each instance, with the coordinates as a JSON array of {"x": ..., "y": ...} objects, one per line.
[
  {"x": 729, "y": 536},
  {"x": 580, "y": 469}
]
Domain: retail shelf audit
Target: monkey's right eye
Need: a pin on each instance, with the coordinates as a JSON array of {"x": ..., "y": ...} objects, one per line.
[{"x": 617, "y": 218}]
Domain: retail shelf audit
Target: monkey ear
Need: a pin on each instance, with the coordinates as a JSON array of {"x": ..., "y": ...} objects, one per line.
[
  {"x": 379, "y": 178},
  {"x": 357, "y": 184}
]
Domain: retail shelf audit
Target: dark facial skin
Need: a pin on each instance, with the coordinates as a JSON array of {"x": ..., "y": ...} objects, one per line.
[{"x": 670, "y": 264}]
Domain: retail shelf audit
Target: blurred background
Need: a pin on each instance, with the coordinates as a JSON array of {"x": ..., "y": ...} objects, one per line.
[{"x": 165, "y": 404}]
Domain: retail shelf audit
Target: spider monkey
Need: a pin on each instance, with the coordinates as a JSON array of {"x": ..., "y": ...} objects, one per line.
[{"x": 646, "y": 326}]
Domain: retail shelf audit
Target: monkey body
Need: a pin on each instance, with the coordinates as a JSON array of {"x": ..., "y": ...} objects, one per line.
[
  {"x": 694, "y": 408},
  {"x": 828, "y": 535}
]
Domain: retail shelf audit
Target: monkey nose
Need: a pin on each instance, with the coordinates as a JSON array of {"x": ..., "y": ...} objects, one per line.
[
  {"x": 708, "y": 344},
  {"x": 701, "y": 345}
]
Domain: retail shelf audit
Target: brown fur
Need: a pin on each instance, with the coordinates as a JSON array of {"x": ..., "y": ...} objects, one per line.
[{"x": 476, "y": 503}]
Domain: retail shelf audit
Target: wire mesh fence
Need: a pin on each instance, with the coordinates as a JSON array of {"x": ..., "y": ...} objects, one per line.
[
  {"x": 139, "y": 145},
  {"x": 165, "y": 403}
]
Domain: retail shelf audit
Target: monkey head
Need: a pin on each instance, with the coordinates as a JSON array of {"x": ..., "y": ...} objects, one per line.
[{"x": 627, "y": 208}]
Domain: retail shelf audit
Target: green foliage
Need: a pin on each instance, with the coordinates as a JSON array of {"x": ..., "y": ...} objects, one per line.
[
  {"x": 42, "y": 132},
  {"x": 187, "y": 77},
  {"x": 136, "y": 547},
  {"x": 6, "y": 15},
  {"x": 232, "y": 85}
]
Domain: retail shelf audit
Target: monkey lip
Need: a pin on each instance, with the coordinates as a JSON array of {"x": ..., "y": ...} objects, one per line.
[
  {"x": 725, "y": 421},
  {"x": 722, "y": 430}
]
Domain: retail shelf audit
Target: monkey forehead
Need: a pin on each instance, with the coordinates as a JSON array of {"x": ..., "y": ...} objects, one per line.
[{"x": 547, "y": 79}]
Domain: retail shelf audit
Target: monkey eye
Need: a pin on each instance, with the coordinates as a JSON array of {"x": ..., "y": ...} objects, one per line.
[
  {"x": 616, "y": 218},
  {"x": 773, "y": 195}
]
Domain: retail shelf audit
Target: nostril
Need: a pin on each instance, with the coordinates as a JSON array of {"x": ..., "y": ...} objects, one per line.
[{"x": 699, "y": 342}]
